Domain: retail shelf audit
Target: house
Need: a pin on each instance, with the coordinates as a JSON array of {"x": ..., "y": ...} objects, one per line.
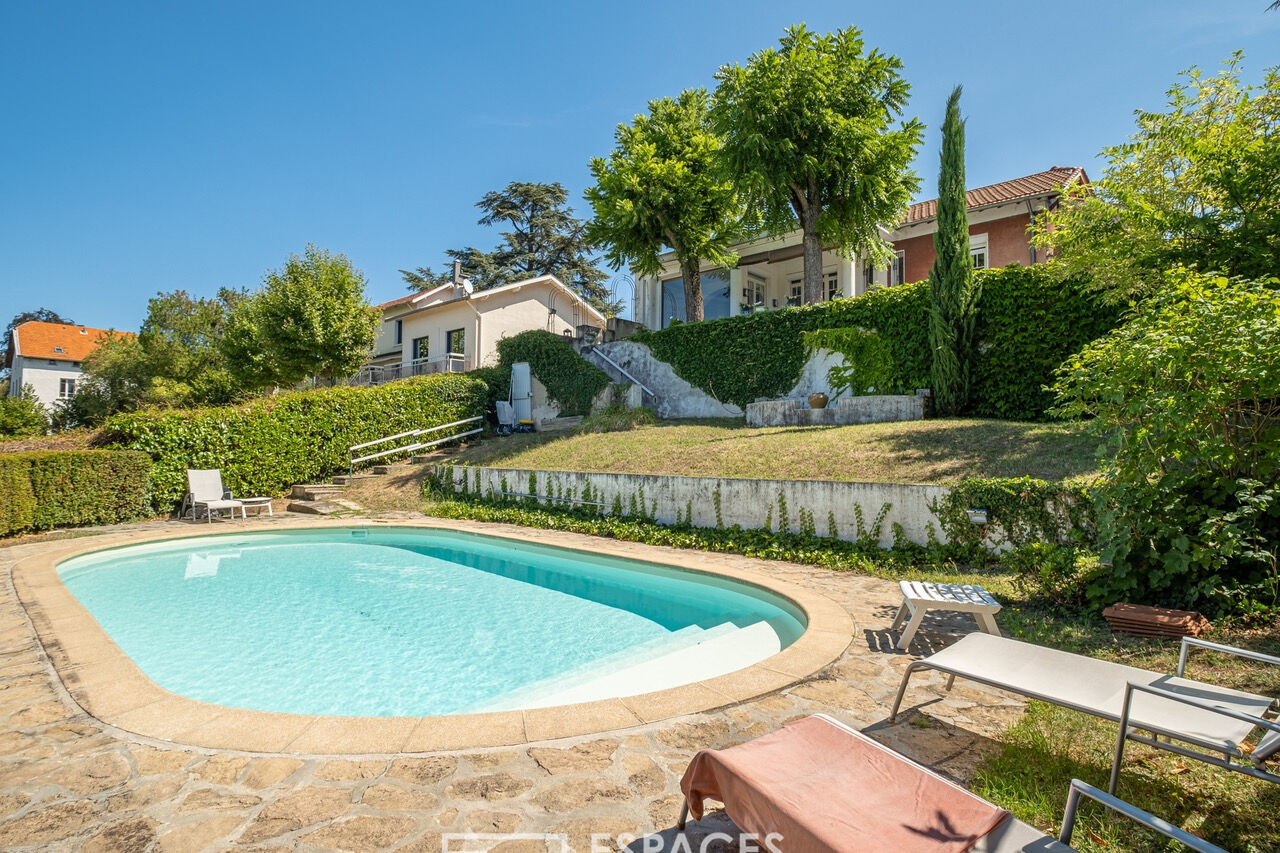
[
  {"x": 453, "y": 328},
  {"x": 770, "y": 271},
  {"x": 47, "y": 356}
]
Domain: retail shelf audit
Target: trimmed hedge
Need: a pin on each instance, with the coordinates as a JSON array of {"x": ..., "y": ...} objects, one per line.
[
  {"x": 1028, "y": 323},
  {"x": 265, "y": 446},
  {"x": 44, "y": 489},
  {"x": 570, "y": 379}
]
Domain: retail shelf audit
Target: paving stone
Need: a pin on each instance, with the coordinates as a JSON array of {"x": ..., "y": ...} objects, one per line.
[
  {"x": 221, "y": 769},
  {"x": 836, "y": 694},
  {"x": 58, "y": 821},
  {"x": 265, "y": 772},
  {"x": 342, "y": 770},
  {"x": 397, "y": 798},
  {"x": 423, "y": 771},
  {"x": 493, "y": 786},
  {"x": 487, "y": 821},
  {"x": 599, "y": 833},
  {"x": 210, "y": 800},
  {"x": 361, "y": 834},
  {"x": 643, "y": 774},
  {"x": 664, "y": 811},
  {"x": 568, "y": 796},
  {"x": 196, "y": 836},
  {"x": 592, "y": 755},
  {"x": 40, "y": 715},
  {"x": 145, "y": 794},
  {"x": 703, "y": 734},
  {"x": 93, "y": 775},
  {"x": 135, "y": 833},
  {"x": 150, "y": 760},
  {"x": 296, "y": 811}
]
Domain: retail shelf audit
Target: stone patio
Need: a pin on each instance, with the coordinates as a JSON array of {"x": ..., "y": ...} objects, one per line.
[{"x": 71, "y": 782}]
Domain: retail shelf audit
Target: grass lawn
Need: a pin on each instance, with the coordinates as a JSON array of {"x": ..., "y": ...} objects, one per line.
[{"x": 931, "y": 451}]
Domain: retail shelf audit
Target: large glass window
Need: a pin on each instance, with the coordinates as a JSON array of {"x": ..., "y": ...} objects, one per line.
[
  {"x": 456, "y": 341},
  {"x": 421, "y": 346},
  {"x": 715, "y": 298}
]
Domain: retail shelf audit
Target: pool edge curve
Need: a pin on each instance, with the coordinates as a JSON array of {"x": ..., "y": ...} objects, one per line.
[{"x": 106, "y": 684}]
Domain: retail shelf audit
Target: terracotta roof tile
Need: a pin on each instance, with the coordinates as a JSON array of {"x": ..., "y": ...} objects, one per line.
[
  {"x": 59, "y": 341},
  {"x": 1048, "y": 181},
  {"x": 395, "y": 302}
]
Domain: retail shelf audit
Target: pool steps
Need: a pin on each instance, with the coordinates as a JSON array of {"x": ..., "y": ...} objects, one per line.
[{"x": 685, "y": 656}]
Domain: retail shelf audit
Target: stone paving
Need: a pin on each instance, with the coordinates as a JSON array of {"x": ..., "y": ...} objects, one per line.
[{"x": 70, "y": 782}]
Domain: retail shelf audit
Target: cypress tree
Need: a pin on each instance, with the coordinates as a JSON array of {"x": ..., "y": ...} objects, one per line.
[{"x": 952, "y": 293}]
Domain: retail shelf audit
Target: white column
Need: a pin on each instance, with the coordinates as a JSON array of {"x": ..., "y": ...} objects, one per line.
[
  {"x": 847, "y": 275},
  {"x": 735, "y": 291}
]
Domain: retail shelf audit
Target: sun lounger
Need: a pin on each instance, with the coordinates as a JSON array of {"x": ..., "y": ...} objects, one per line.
[
  {"x": 1208, "y": 719},
  {"x": 205, "y": 491},
  {"x": 817, "y": 786}
]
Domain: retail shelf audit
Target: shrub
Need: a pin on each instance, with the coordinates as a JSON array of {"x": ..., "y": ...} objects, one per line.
[
  {"x": 618, "y": 418},
  {"x": 1020, "y": 511},
  {"x": 41, "y": 490},
  {"x": 22, "y": 416},
  {"x": 868, "y": 367},
  {"x": 571, "y": 380},
  {"x": 269, "y": 444},
  {"x": 1028, "y": 323},
  {"x": 1054, "y": 574},
  {"x": 1186, "y": 395}
]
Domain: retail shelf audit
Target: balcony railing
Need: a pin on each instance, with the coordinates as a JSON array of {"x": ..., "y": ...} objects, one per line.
[{"x": 372, "y": 374}]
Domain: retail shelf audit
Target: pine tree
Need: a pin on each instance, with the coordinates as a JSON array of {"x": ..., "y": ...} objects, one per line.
[{"x": 952, "y": 292}]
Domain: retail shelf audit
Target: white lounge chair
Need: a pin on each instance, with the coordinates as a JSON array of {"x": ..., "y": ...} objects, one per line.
[
  {"x": 768, "y": 786},
  {"x": 205, "y": 491},
  {"x": 1209, "y": 719}
]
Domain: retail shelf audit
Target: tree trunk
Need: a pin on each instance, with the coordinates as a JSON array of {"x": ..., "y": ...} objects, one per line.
[
  {"x": 812, "y": 257},
  {"x": 692, "y": 290}
]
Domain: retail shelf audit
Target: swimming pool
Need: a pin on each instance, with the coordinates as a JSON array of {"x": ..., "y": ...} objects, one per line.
[{"x": 388, "y": 622}]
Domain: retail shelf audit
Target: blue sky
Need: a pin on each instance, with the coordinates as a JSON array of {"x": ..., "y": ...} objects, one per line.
[{"x": 157, "y": 146}]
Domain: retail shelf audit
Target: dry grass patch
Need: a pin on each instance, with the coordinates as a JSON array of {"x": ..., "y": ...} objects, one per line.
[{"x": 932, "y": 451}]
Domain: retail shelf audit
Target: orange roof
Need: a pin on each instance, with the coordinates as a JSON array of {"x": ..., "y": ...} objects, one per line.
[
  {"x": 58, "y": 341},
  {"x": 400, "y": 301},
  {"x": 1052, "y": 180}
]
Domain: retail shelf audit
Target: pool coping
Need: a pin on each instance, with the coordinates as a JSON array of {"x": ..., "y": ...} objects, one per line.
[{"x": 109, "y": 686}]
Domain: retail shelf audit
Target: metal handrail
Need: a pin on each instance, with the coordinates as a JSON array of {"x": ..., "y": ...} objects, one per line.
[
  {"x": 623, "y": 371},
  {"x": 353, "y": 459}
]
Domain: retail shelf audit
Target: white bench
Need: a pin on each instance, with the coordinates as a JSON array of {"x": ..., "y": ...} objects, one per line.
[{"x": 919, "y": 598}]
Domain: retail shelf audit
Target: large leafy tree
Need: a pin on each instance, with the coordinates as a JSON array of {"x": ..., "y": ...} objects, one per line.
[
  {"x": 662, "y": 187},
  {"x": 812, "y": 137},
  {"x": 543, "y": 236},
  {"x": 309, "y": 320},
  {"x": 1196, "y": 186},
  {"x": 952, "y": 295}
]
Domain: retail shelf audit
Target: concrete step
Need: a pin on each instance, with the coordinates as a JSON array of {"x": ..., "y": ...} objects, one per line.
[
  {"x": 315, "y": 507},
  {"x": 555, "y": 424},
  {"x": 314, "y": 491},
  {"x": 348, "y": 479},
  {"x": 392, "y": 468}
]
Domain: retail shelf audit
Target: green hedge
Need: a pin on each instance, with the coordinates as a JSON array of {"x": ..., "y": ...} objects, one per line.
[
  {"x": 269, "y": 444},
  {"x": 44, "y": 489},
  {"x": 1028, "y": 323},
  {"x": 571, "y": 380}
]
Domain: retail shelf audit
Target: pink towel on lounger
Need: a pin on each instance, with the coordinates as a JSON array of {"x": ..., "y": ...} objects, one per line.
[{"x": 826, "y": 788}]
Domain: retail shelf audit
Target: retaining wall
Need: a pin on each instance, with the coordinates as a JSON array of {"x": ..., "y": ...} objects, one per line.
[{"x": 751, "y": 504}]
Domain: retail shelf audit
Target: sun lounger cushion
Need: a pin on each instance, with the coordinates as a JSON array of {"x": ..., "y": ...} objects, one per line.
[
  {"x": 1097, "y": 687},
  {"x": 825, "y": 787}
]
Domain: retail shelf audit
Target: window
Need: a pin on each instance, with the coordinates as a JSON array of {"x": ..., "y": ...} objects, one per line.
[
  {"x": 978, "y": 251},
  {"x": 421, "y": 346},
  {"x": 898, "y": 269},
  {"x": 715, "y": 297},
  {"x": 59, "y": 349},
  {"x": 399, "y": 331},
  {"x": 796, "y": 296},
  {"x": 833, "y": 285},
  {"x": 66, "y": 388},
  {"x": 868, "y": 275},
  {"x": 456, "y": 341},
  {"x": 753, "y": 293}
]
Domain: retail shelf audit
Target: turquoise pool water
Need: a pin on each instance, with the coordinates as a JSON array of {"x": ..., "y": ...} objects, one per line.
[{"x": 413, "y": 622}]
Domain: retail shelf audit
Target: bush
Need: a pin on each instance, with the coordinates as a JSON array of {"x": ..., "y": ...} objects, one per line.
[
  {"x": 868, "y": 367},
  {"x": 1186, "y": 396},
  {"x": 1056, "y": 575},
  {"x": 1020, "y": 511},
  {"x": 1028, "y": 323},
  {"x": 22, "y": 416},
  {"x": 618, "y": 418},
  {"x": 571, "y": 380},
  {"x": 41, "y": 490},
  {"x": 269, "y": 444}
]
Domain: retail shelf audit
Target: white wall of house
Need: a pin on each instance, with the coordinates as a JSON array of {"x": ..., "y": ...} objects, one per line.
[
  {"x": 483, "y": 319},
  {"x": 45, "y": 376}
]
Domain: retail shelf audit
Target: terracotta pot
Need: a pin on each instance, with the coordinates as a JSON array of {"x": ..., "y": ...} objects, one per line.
[{"x": 817, "y": 400}]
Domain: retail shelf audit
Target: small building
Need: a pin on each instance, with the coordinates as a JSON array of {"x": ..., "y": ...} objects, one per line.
[
  {"x": 770, "y": 271},
  {"x": 47, "y": 357},
  {"x": 453, "y": 328}
]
